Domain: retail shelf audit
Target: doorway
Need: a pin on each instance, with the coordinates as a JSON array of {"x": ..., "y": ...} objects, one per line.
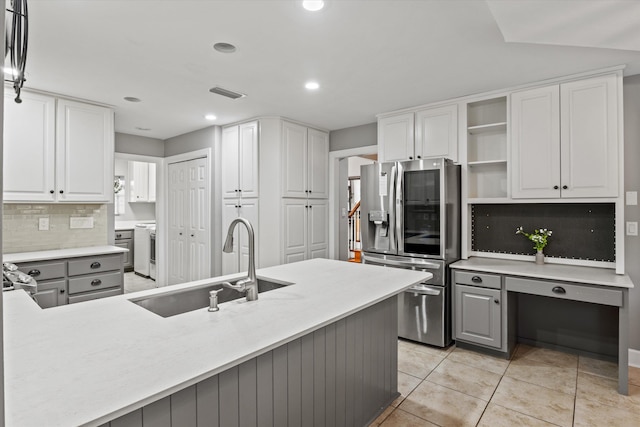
[{"x": 354, "y": 244}]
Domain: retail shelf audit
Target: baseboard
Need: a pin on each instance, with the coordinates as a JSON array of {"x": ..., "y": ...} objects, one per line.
[{"x": 634, "y": 358}]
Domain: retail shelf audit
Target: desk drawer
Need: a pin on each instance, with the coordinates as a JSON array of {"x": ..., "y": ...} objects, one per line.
[
  {"x": 95, "y": 282},
  {"x": 94, "y": 295},
  {"x": 95, "y": 264},
  {"x": 44, "y": 270},
  {"x": 575, "y": 292},
  {"x": 477, "y": 279}
]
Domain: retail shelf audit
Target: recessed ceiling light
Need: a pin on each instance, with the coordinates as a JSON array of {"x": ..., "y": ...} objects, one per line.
[
  {"x": 224, "y": 47},
  {"x": 312, "y": 85},
  {"x": 313, "y": 5},
  {"x": 210, "y": 117},
  {"x": 132, "y": 99},
  {"x": 141, "y": 128}
]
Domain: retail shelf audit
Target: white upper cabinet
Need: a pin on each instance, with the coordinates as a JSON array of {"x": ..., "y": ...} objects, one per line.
[
  {"x": 84, "y": 152},
  {"x": 240, "y": 160},
  {"x": 29, "y": 148},
  {"x": 305, "y": 157},
  {"x": 142, "y": 182},
  {"x": 437, "y": 132},
  {"x": 565, "y": 140},
  {"x": 430, "y": 132},
  {"x": 67, "y": 147},
  {"x": 535, "y": 143},
  {"x": 396, "y": 138}
]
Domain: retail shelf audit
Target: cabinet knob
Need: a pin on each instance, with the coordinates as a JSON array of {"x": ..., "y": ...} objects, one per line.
[
  {"x": 555, "y": 187},
  {"x": 118, "y": 236},
  {"x": 51, "y": 191},
  {"x": 476, "y": 279},
  {"x": 419, "y": 157},
  {"x": 62, "y": 291},
  {"x": 564, "y": 187},
  {"x": 310, "y": 206},
  {"x": 34, "y": 273},
  {"x": 558, "y": 290},
  {"x": 96, "y": 264},
  {"x": 61, "y": 191},
  {"x": 192, "y": 235},
  {"x": 496, "y": 300},
  {"x": 410, "y": 157},
  {"x": 96, "y": 282}
]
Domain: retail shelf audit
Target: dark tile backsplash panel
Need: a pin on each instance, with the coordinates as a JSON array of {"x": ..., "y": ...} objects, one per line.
[{"x": 583, "y": 231}]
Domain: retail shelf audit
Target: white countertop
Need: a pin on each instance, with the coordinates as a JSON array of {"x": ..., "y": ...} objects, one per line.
[
  {"x": 20, "y": 257},
  {"x": 83, "y": 364},
  {"x": 566, "y": 273},
  {"x": 130, "y": 225}
]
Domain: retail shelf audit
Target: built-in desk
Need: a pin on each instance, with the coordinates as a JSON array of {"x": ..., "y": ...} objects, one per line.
[{"x": 485, "y": 291}]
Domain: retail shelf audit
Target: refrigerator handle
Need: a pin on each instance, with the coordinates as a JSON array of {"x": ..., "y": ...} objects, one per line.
[
  {"x": 392, "y": 209},
  {"x": 399, "y": 214}
]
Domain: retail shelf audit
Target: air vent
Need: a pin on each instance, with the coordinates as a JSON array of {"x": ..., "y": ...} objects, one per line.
[{"x": 226, "y": 92}]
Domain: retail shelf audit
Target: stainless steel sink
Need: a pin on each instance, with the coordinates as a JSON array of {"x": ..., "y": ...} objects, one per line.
[{"x": 172, "y": 303}]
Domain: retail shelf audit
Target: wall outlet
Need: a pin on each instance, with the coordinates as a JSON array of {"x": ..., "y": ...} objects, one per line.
[
  {"x": 632, "y": 228},
  {"x": 632, "y": 198},
  {"x": 81, "y": 222},
  {"x": 43, "y": 224}
]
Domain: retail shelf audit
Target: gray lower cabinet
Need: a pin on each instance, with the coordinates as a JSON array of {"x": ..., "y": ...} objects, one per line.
[
  {"x": 67, "y": 281},
  {"x": 124, "y": 239},
  {"x": 478, "y": 315},
  {"x": 344, "y": 374}
]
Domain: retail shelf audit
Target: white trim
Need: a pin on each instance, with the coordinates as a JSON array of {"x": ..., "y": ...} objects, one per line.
[
  {"x": 334, "y": 157},
  {"x": 163, "y": 241},
  {"x": 548, "y": 260},
  {"x": 634, "y": 358}
]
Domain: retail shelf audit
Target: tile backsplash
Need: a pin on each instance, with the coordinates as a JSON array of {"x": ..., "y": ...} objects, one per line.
[{"x": 20, "y": 227}]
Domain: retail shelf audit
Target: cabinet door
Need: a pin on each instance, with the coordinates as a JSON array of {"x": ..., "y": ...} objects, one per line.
[
  {"x": 589, "y": 156},
  {"x": 318, "y": 164},
  {"x": 535, "y": 143},
  {"x": 84, "y": 152},
  {"x": 396, "y": 138},
  {"x": 248, "y": 175},
  {"x": 230, "y": 162},
  {"x": 138, "y": 185},
  {"x": 249, "y": 211},
  {"x": 51, "y": 294},
  {"x": 478, "y": 315},
  {"x": 294, "y": 227},
  {"x": 318, "y": 229},
  {"x": 294, "y": 160},
  {"x": 230, "y": 261},
  {"x": 29, "y": 148},
  {"x": 437, "y": 133}
]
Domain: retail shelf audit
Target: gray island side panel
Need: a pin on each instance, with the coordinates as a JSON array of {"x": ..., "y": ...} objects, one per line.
[{"x": 306, "y": 371}]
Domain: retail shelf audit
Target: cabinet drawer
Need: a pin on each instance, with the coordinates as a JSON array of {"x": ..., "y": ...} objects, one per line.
[
  {"x": 124, "y": 234},
  {"x": 94, "y": 295},
  {"x": 477, "y": 279},
  {"x": 44, "y": 270},
  {"x": 95, "y": 282},
  {"x": 562, "y": 290},
  {"x": 95, "y": 264}
]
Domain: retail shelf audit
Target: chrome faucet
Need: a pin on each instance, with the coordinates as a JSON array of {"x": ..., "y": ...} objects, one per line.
[{"x": 250, "y": 283}]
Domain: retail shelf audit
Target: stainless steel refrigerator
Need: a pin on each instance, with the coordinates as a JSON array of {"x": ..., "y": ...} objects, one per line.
[{"x": 411, "y": 219}]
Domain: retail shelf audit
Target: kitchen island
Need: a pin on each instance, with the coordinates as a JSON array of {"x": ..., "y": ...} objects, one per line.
[{"x": 110, "y": 359}]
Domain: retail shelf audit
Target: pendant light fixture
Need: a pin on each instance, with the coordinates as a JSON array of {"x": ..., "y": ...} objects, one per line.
[{"x": 16, "y": 40}]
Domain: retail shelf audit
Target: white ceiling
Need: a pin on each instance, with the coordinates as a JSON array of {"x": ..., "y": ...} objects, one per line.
[{"x": 368, "y": 56}]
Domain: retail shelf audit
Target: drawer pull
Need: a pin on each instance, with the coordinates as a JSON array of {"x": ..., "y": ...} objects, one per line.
[
  {"x": 34, "y": 273},
  {"x": 558, "y": 290},
  {"x": 96, "y": 282},
  {"x": 118, "y": 236},
  {"x": 95, "y": 264},
  {"x": 476, "y": 279}
]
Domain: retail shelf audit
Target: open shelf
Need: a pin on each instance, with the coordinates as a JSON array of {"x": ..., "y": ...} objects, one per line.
[{"x": 489, "y": 127}]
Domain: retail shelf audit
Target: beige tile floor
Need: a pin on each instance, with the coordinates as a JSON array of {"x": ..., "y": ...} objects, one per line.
[
  {"x": 135, "y": 283},
  {"x": 537, "y": 387}
]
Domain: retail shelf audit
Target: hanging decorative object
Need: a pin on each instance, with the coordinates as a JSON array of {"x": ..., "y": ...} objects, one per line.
[{"x": 16, "y": 41}]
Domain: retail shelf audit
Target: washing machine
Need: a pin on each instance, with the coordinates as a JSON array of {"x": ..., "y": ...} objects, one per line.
[{"x": 142, "y": 248}]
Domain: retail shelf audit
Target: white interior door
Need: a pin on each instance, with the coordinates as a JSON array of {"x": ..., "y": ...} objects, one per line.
[
  {"x": 198, "y": 223},
  {"x": 177, "y": 259}
]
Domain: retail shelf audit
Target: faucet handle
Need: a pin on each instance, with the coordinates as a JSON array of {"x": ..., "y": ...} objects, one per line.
[{"x": 240, "y": 285}]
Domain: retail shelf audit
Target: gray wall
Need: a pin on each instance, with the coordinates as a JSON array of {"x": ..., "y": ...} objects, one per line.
[
  {"x": 192, "y": 141},
  {"x": 357, "y": 136},
  {"x": 134, "y": 144},
  {"x": 632, "y": 213}
]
